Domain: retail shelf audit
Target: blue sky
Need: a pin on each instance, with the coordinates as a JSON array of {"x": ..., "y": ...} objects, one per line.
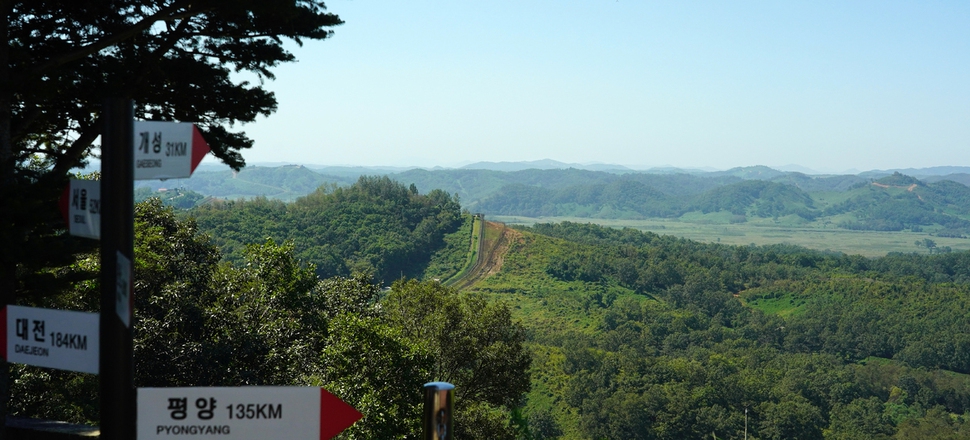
[{"x": 831, "y": 86}]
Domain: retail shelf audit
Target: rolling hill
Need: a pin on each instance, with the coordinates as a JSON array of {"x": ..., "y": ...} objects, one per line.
[{"x": 889, "y": 202}]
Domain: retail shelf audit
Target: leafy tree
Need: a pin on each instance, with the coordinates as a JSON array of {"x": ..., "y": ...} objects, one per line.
[
  {"x": 543, "y": 426},
  {"x": 271, "y": 321},
  {"x": 61, "y": 59},
  {"x": 376, "y": 226},
  {"x": 860, "y": 419},
  {"x": 475, "y": 346}
]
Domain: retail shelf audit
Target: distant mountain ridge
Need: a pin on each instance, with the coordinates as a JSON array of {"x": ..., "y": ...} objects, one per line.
[
  {"x": 918, "y": 172},
  {"x": 544, "y": 164},
  {"x": 876, "y": 201}
]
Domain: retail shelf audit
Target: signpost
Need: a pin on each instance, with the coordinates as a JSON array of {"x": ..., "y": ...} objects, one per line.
[
  {"x": 117, "y": 369},
  {"x": 163, "y": 150},
  {"x": 167, "y": 150},
  {"x": 242, "y": 413},
  {"x": 60, "y": 339},
  {"x": 104, "y": 210}
]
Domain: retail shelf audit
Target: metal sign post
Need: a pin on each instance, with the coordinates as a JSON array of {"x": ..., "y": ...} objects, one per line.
[
  {"x": 117, "y": 370},
  {"x": 439, "y": 410}
]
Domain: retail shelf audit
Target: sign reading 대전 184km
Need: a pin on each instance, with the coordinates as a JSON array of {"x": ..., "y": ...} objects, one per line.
[
  {"x": 167, "y": 150},
  {"x": 60, "y": 339},
  {"x": 242, "y": 413}
]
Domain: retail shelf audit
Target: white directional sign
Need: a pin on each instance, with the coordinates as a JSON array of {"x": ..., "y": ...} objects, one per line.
[
  {"x": 59, "y": 339},
  {"x": 242, "y": 413},
  {"x": 81, "y": 207},
  {"x": 167, "y": 150}
]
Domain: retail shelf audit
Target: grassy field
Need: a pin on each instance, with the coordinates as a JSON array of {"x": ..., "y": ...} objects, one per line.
[
  {"x": 714, "y": 229},
  {"x": 783, "y": 305},
  {"x": 472, "y": 256}
]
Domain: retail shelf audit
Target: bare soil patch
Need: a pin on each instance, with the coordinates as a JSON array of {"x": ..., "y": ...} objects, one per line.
[{"x": 492, "y": 256}]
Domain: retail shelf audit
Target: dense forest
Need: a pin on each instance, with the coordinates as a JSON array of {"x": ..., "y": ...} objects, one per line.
[
  {"x": 270, "y": 320},
  {"x": 375, "y": 226},
  {"x": 585, "y": 332},
  {"x": 640, "y": 336}
]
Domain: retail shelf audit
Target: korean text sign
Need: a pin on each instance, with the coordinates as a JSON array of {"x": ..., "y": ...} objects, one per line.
[{"x": 60, "y": 339}]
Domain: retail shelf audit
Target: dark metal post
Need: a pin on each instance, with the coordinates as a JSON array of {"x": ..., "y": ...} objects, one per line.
[
  {"x": 439, "y": 410},
  {"x": 117, "y": 255}
]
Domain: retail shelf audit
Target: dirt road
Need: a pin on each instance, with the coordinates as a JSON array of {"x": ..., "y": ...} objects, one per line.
[{"x": 498, "y": 238}]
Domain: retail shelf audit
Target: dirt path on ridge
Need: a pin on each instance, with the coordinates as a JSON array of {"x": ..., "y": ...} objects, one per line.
[{"x": 491, "y": 257}]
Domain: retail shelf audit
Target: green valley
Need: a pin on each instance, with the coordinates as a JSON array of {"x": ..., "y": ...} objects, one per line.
[
  {"x": 891, "y": 211},
  {"x": 565, "y": 330},
  {"x": 641, "y": 336}
]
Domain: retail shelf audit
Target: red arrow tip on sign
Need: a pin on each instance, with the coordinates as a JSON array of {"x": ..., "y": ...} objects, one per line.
[
  {"x": 335, "y": 415},
  {"x": 199, "y": 147}
]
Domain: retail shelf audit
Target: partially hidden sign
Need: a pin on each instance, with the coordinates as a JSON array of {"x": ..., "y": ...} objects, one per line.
[
  {"x": 81, "y": 208},
  {"x": 242, "y": 413},
  {"x": 167, "y": 150},
  {"x": 60, "y": 339},
  {"x": 124, "y": 307}
]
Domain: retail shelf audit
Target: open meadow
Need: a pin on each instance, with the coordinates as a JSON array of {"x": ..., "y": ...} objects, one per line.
[{"x": 812, "y": 236}]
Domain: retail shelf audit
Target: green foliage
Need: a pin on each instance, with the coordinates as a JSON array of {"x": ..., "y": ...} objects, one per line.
[
  {"x": 67, "y": 57},
  {"x": 765, "y": 199},
  {"x": 682, "y": 358},
  {"x": 898, "y": 202},
  {"x": 380, "y": 372},
  {"x": 174, "y": 59},
  {"x": 453, "y": 257},
  {"x": 176, "y": 198},
  {"x": 272, "y": 321},
  {"x": 375, "y": 226},
  {"x": 476, "y": 346},
  {"x": 893, "y": 203}
]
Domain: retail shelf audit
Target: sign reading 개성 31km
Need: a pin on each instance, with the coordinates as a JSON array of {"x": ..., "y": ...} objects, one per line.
[
  {"x": 60, "y": 339},
  {"x": 242, "y": 413},
  {"x": 167, "y": 150},
  {"x": 163, "y": 150}
]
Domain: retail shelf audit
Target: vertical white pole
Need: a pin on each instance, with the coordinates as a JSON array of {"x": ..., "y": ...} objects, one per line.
[{"x": 745, "y": 424}]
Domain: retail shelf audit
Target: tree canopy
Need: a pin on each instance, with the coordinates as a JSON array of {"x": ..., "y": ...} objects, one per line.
[
  {"x": 179, "y": 60},
  {"x": 272, "y": 321}
]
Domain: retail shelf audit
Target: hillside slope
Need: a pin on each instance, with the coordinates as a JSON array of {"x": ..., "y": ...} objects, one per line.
[{"x": 639, "y": 336}]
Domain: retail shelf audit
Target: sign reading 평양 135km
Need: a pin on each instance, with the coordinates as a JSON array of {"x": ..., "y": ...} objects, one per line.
[
  {"x": 242, "y": 413},
  {"x": 167, "y": 150},
  {"x": 60, "y": 339}
]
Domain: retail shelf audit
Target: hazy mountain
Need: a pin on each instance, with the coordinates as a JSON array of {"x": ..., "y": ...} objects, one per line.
[
  {"x": 797, "y": 169},
  {"x": 355, "y": 172},
  {"x": 893, "y": 201},
  {"x": 675, "y": 170},
  {"x": 546, "y": 164},
  {"x": 918, "y": 172},
  {"x": 962, "y": 178},
  {"x": 284, "y": 183},
  {"x": 819, "y": 183},
  {"x": 757, "y": 172}
]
